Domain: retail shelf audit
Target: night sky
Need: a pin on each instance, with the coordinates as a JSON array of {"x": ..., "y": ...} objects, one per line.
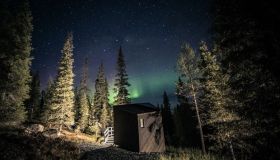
[{"x": 149, "y": 31}]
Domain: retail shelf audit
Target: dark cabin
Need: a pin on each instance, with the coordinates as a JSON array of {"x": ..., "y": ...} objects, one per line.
[{"x": 138, "y": 128}]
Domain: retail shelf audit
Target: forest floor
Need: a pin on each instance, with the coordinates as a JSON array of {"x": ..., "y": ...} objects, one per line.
[{"x": 17, "y": 144}]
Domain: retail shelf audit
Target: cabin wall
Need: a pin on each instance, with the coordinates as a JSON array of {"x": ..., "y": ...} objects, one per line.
[
  {"x": 126, "y": 130},
  {"x": 151, "y": 136}
]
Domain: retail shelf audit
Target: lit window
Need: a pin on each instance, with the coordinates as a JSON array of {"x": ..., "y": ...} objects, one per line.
[{"x": 142, "y": 123}]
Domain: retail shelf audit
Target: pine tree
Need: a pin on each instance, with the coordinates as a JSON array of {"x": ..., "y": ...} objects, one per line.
[
  {"x": 33, "y": 103},
  {"x": 83, "y": 111},
  {"x": 47, "y": 101},
  {"x": 61, "y": 111},
  {"x": 121, "y": 81},
  {"x": 42, "y": 105},
  {"x": 188, "y": 67},
  {"x": 91, "y": 119},
  {"x": 221, "y": 116},
  {"x": 167, "y": 120},
  {"x": 84, "y": 78},
  {"x": 15, "y": 41},
  {"x": 76, "y": 105},
  {"x": 101, "y": 92},
  {"x": 104, "y": 117},
  {"x": 83, "y": 103}
]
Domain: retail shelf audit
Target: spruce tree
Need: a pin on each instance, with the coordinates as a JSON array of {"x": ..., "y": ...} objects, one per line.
[
  {"x": 84, "y": 78},
  {"x": 76, "y": 105},
  {"x": 61, "y": 111},
  {"x": 83, "y": 111},
  {"x": 167, "y": 120},
  {"x": 92, "y": 119},
  {"x": 104, "y": 117},
  {"x": 188, "y": 67},
  {"x": 15, "y": 41},
  {"x": 33, "y": 103},
  {"x": 83, "y": 103},
  {"x": 101, "y": 94},
  {"x": 121, "y": 82},
  {"x": 217, "y": 97},
  {"x": 42, "y": 105},
  {"x": 47, "y": 101}
]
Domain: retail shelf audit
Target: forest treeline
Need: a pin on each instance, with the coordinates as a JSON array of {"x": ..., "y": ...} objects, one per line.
[
  {"x": 227, "y": 90},
  {"x": 233, "y": 86}
]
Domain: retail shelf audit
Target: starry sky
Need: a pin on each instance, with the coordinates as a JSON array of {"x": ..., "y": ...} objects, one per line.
[{"x": 149, "y": 31}]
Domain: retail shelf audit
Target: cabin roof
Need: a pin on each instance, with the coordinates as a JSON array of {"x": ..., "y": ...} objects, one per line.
[{"x": 137, "y": 108}]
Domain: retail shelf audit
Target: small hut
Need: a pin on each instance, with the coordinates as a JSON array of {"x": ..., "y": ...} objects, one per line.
[{"x": 138, "y": 128}]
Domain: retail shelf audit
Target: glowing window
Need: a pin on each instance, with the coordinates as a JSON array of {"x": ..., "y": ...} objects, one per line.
[{"x": 142, "y": 123}]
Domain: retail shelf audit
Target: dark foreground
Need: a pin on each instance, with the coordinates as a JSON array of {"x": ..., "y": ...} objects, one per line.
[
  {"x": 14, "y": 146},
  {"x": 17, "y": 144},
  {"x": 113, "y": 153}
]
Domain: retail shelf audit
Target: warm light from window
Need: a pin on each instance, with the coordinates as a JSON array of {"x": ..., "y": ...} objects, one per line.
[{"x": 142, "y": 123}]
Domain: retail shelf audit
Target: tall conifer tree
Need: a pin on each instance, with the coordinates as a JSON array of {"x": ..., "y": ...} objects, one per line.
[
  {"x": 42, "y": 105},
  {"x": 101, "y": 94},
  {"x": 105, "y": 116},
  {"x": 121, "y": 81},
  {"x": 33, "y": 103},
  {"x": 47, "y": 101},
  {"x": 61, "y": 111},
  {"x": 167, "y": 120},
  {"x": 83, "y": 103},
  {"x": 220, "y": 112},
  {"x": 15, "y": 41}
]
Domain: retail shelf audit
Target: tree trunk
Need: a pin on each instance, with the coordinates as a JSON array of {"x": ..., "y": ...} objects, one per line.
[
  {"x": 31, "y": 115},
  {"x": 199, "y": 121},
  {"x": 231, "y": 151}
]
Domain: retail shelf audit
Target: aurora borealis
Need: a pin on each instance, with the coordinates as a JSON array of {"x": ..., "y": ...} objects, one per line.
[
  {"x": 149, "y": 31},
  {"x": 148, "y": 89}
]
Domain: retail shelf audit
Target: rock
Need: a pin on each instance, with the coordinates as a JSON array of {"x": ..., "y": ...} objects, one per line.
[
  {"x": 52, "y": 133},
  {"x": 34, "y": 128}
]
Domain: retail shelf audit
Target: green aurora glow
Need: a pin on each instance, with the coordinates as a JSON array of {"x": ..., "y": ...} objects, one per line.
[{"x": 148, "y": 87}]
